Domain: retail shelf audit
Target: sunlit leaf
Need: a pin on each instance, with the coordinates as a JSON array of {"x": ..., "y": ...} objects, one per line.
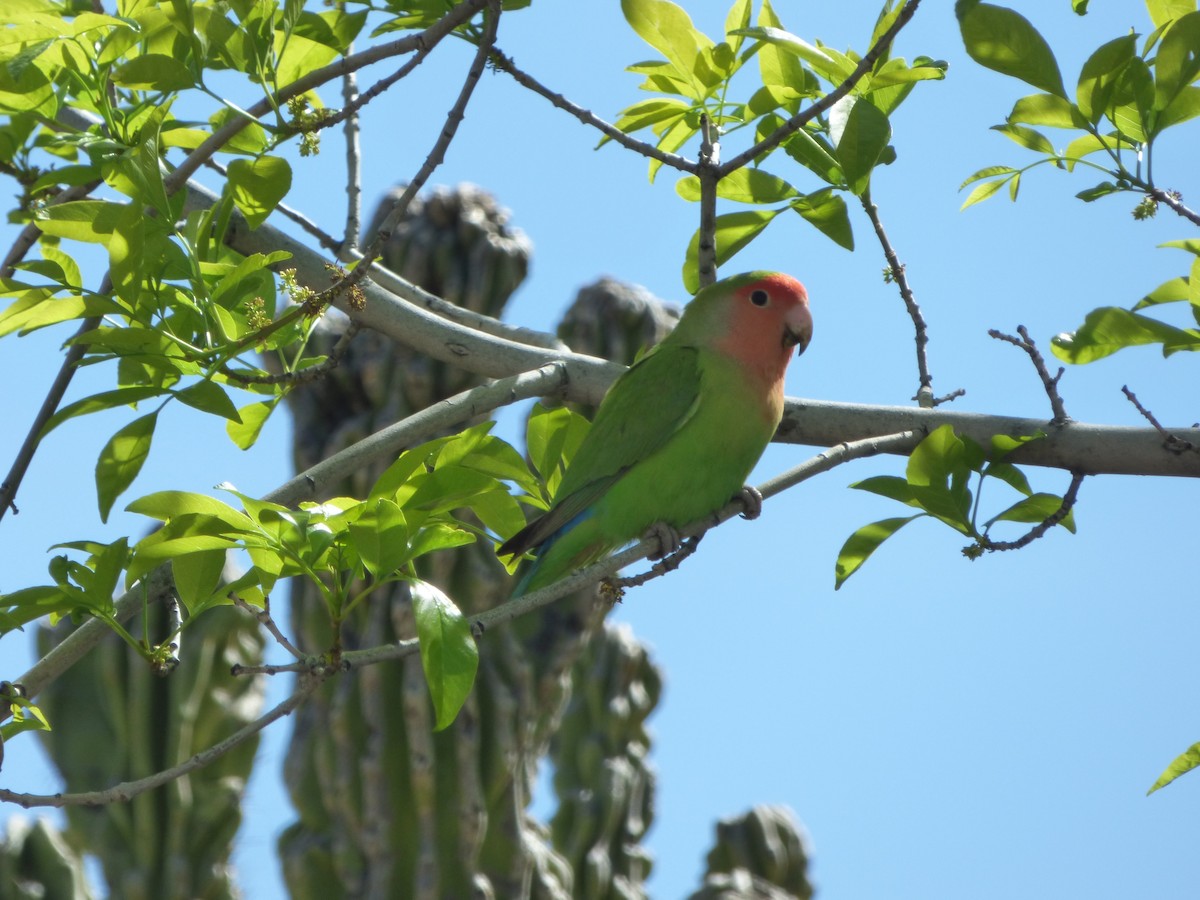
[
  {"x": 860, "y": 545},
  {"x": 449, "y": 655},
  {"x": 122, "y": 459},
  {"x": 1005, "y": 41}
]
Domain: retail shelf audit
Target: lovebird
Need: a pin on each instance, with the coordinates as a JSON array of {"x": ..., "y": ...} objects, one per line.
[{"x": 677, "y": 434}]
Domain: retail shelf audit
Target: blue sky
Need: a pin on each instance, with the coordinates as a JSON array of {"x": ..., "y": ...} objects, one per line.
[{"x": 943, "y": 728}]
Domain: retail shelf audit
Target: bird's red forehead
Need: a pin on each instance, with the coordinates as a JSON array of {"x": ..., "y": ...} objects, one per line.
[{"x": 778, "y": 285}]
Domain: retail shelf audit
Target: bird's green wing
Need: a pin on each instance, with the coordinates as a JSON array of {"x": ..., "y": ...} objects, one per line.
[{"x": 640, "y": 413}]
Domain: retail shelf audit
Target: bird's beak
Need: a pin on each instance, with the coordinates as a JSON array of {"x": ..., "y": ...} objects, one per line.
[{"x": 797, "y": 328}]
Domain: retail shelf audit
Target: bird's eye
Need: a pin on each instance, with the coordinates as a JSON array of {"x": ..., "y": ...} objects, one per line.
[{"x": 759, "y": 297}]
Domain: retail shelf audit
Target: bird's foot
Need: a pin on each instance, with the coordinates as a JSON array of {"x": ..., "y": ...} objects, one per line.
[
  {"x": 667, "y": 537},
  {"x": 753, "y": 500}
]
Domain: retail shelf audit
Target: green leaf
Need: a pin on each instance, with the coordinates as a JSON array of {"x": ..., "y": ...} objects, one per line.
[
  {"x": 814, "y": 155},
  {"x": 1178, "y": 62},
  {"x": 934, "y": 460},
  {"x": 1164, "y": 11},
  {"x": 826, "y": 64},
  {"x": 380, "y": 537},
  {"x": 1026, "y": 137},
  {"x": 36, "y": 308},
  {"x": 154, "y": 72},
  {"x": 26, "y": 89},
  {"x": 551, "y": 438},
  {"x": 1035, "y": 508},
  {"x": 91, "y": 221},
  {"x": 171, "y": 505},
  {"x": 122, "y": 459},
  {"x": 1106, "y": 330},
  {"x": 126, "y": 396},
  {"x": 1181, "y": 765},
  {"x": 1047, "y": 110},
  {"x": 860, "y": 545},
  {"x": 982, "y": 191},
  {"x": 828, "y": 212},
  {"x": 1010, "y": 475},
  {"x": 742, "y": 186},
  {"x": 1079, "y": 7},
  {"x": 245, "y": 429},
  {"x": 196, "y": 577},
  {"x": 210, "y": 398},
  {"x": 890, "y": 486},
  {"x": 647, "y": 113},
  {"x": 298, "y": 56},
  {"x": 1006, "y": 42},
  {"x": 1185, "y": 106},
  {"x": 1097, "y": 79},
  {"x": 734, "y": 231},
  {"x": 669, "y": 30},
  {"x": 258, "y": 185},
  {"x": 1171, "y": 291},
  {"x": 449, "y": 655},
  {"x": 860, "y": 134},
  {"x": 1103, "y": 189}
]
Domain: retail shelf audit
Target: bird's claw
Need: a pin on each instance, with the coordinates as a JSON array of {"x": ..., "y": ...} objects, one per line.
[
  {"x": 667, "y": 537},
  {"x": 753, "y": 501}
]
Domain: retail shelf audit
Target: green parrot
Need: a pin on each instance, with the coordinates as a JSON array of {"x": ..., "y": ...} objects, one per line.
[{"x": 676, "y": 435}]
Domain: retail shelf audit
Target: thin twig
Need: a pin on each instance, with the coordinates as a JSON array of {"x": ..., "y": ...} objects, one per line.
[
  {"x": 324, "y": 238},
  {"x": 802, "y": 118},
  {"x": 896, "y": 273},
  {"x": 127, "y": 790},
  {"x": 438, "y": 153},
  {"x": 1172, "y": 442},
  {"x": 1025, "y": 342},
  {"x": 708, "y": 171},
  {"x": 520, "y": 606},
  {"x": 587, "y": 117},
  {"x": 1174, "y": 200},
  {"x": 1068, "y": 502},
  {"x": 312, "y": 80},
  {"x": 304, "y": 376},
  {"x": 265, "y": 619},
  {"x": 30, "y": 233},
  {"x": 353, "y": 107},
  {"x": 353, "y": 159}
]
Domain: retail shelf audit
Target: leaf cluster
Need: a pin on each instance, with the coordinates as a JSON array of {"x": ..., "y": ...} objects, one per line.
[
  {"x": 1127, "y": 95},
  {"x": 937, "y": 481},
  {"x": 839, "y": 150}
]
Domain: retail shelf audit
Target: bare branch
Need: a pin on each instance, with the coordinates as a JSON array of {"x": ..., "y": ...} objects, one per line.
[
  {"x": 1170, "y": 441},
  {"x": 30, "y": 233},
  {"x": 438, "y": 153},
  {"x": 1174, "y": 201},
  {"x": 127, "y": 790},
  {"x": 408, "y": 44},
  {"x": 1025, "y": 342},
  {"x": 896, "y": 272},
  {"x": 265, "y": 619},
  {"x": 304, "y": 376},
  {"x": 353, "y": 158},
  {"x": 802, "y": 118},
  {"x": 708, "y": 171},
  {"x": 1068, "y": 502},
  {"x": 504, "y": 64}
]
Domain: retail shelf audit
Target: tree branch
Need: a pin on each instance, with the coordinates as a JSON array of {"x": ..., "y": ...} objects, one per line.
[
  {"x": 802, "y": 118},
  {"x": 127, "y": 790},
  {"x": 1025, "y": 342},
  {"x": 897, "y": 274},
  {"x": 504, "y": 64},
  {"x": 413, "y": 42},
  {"x": 438, "y": 153}
]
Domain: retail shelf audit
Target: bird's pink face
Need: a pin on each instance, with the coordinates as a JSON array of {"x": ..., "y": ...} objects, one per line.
[{"x": 769, "y": 318}]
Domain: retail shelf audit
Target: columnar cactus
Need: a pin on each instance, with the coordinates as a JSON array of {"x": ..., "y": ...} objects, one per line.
[
  {"x": 115, "y": 720},
  {"x": 760, "y": 855}
]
